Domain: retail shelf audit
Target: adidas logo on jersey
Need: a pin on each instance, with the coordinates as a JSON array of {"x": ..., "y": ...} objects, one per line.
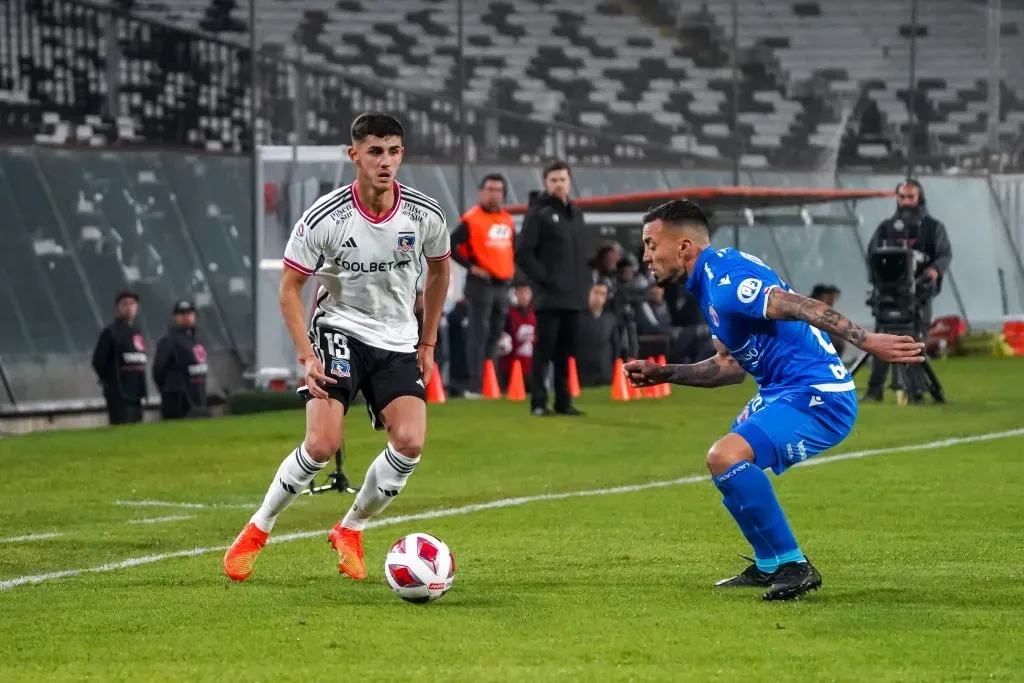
[{"x": 350, "y": 243}]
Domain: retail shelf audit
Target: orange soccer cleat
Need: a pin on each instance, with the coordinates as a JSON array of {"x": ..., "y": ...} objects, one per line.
[
  {"x": 349, "y": 544},
  {"x": 241, "y": 556}
]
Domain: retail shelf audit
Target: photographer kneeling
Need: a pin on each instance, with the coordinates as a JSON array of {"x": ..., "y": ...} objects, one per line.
[{"x": 910, "y": 228}]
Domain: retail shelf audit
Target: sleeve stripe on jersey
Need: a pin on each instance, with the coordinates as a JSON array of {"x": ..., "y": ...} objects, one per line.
[
  {"x": 440, "y": 258},
  {"x": 764, "y": 311},
  {"x": 298, "y": 267},
  {"x": 317, "y": 213},
  {"x": 427, "y": 207},
  {"x": 412, "y": 192}
]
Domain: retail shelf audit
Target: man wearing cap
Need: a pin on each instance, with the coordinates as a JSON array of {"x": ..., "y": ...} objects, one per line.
[
  {"x": 119, "y": 360},
  {"x": 180, "y": 367}
]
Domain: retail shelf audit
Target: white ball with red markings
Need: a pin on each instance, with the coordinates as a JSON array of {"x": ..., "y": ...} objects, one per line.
[{"x": 420, "y": 568}]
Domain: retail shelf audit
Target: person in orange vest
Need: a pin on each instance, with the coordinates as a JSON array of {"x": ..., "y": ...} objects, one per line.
[{"x": 483, "y": 243}]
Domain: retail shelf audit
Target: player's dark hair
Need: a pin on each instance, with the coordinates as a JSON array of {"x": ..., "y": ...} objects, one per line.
[
  {"x": 495, "y": 178},
  {"x": 377, "y": 124},
  {"x": 556, "y": 165},
  {"x": 679, "y": 212}
]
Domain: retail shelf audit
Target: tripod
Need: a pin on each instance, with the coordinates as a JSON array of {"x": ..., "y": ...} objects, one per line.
[
  {"x": 913, "y": 381},
  {"x": 336, "y": 480}
]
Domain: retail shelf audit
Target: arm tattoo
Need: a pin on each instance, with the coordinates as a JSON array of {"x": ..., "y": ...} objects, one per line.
[
  {"x": 717, "y": 371},
  {"x": 789, "y": 306}
]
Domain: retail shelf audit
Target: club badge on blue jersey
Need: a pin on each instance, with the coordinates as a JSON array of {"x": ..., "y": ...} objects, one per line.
[
  {"x": 406, "y": 241},
  {"x": 341, "y": 368}
]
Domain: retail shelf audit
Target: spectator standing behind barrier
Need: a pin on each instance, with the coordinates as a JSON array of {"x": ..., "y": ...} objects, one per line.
[
  {"x": 551, "y": 253},
  {"x": 912, "y": 226},
  {"x": 181, "y": 366},
  {"x": 483, "y": 244},
  {"x": 596, "y": 354},
  {"x": 119, "y": 360}
]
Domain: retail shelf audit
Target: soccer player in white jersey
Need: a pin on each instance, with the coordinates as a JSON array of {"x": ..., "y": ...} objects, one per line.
[{"x": 364, "y": 242}]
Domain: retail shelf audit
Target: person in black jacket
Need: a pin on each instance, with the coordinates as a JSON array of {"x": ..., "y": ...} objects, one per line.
[
  {"x": 119, "y": 360},
  {"x": 912, "y": 226},
  {"x": 180, "y": 367},
  {"x": 551, "y": 253}
]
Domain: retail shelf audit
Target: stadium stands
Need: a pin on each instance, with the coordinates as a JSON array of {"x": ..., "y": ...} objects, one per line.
[{"x": 812, "y": 74}]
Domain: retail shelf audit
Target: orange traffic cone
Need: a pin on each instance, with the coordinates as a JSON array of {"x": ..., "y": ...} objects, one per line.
[
  {"x": 620, "y": 387},
  {"x": 666, "y": 388},
  {"x": 652, "y": 391},
  {"x": 516, "y": 385},
  {"x": 574, "y": 379},
  {"x": 635, "y": 392},
  {"x": 435, "y": 388},
  {"x": 491, "y": 388}
]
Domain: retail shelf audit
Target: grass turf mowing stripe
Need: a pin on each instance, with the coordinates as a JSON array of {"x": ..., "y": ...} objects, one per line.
[{"x": 493, "y": 505}]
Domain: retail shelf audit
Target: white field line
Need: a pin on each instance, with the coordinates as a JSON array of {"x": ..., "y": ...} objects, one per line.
[
  {"x": 160, "y": 520},
  {"x": 493, "y": 505},
  {"x": 172, "y": 504},
  {"x": 29, "y": 537}
]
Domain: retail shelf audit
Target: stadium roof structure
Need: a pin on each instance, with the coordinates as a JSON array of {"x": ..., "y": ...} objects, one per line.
[{"x": 728, "y": 205}]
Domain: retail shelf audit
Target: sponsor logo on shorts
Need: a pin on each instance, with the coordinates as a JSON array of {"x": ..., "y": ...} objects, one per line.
[
  {"x": 796, "y": 452},
  {"x": 341, "y": 368}
]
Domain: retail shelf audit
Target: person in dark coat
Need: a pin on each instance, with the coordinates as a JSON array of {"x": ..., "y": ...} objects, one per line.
[
  {"x": 180, "y": 367},
  {"x": 912, "y": 226},
  {"x": 119, "y": 360},
  {"x": 551, "y": 253},
  {"x": 596, "y": 355}
]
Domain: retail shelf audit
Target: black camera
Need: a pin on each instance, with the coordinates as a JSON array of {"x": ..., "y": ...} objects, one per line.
[{"x": 896, "y": 298}]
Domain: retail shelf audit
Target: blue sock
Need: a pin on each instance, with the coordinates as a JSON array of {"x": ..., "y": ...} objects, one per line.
[
  {"x": 752, "y": 493},
  {"x": 764, "y": 556}
]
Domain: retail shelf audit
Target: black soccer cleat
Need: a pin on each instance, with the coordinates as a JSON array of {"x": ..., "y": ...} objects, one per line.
[
  {"x": 792, "y": 580},
  {"x": 751, "y": 577}
]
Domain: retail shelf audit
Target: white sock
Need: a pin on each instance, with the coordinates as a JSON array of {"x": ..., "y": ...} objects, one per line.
[
  {"x": 384, "y": 480},
  {"x": 293, "y": 476}
]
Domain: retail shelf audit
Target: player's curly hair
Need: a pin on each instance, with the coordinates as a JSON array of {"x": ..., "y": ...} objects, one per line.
[
  {"x": 678, "y": 212},
  {"x": 377, "y": 124}
]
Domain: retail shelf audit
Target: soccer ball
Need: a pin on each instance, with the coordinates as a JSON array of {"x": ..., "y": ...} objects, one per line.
[{"x": 420, "y": 568}]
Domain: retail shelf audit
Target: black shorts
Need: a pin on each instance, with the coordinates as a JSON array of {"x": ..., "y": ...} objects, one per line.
[{"x": 380, "y": 374}]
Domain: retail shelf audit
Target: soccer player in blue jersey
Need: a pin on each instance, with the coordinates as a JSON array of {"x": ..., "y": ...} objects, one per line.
[{"x": 806, "y": 401}]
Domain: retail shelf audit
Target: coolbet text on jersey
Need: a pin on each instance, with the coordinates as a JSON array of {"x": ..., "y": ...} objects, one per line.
[
  {"x": 368, "y": 266},
  {"x": 806, "y": 401}
]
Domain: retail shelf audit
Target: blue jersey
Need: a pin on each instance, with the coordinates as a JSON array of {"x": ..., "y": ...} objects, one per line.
[{"x": 732, "y": 288}]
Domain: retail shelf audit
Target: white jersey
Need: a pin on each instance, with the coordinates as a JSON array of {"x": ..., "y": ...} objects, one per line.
[{"x": 368, "y": 267}]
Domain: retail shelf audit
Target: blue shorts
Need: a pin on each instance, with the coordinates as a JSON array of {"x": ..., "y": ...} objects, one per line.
[{"x": 790, "y": 427}]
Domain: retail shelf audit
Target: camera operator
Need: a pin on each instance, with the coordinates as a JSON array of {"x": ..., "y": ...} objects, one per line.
[{"x": 912, "y": 227}]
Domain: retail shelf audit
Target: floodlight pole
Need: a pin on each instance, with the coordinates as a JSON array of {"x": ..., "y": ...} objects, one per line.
[
  {"x": 462, "y": 110},
  {"x": 254, "y": 174},
  {"x": 734, "y": 109},
  {"x": 912, "y": 90}
]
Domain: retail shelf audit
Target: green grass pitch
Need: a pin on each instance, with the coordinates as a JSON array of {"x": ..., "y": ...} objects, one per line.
[{"x": 921, "y": 551}]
